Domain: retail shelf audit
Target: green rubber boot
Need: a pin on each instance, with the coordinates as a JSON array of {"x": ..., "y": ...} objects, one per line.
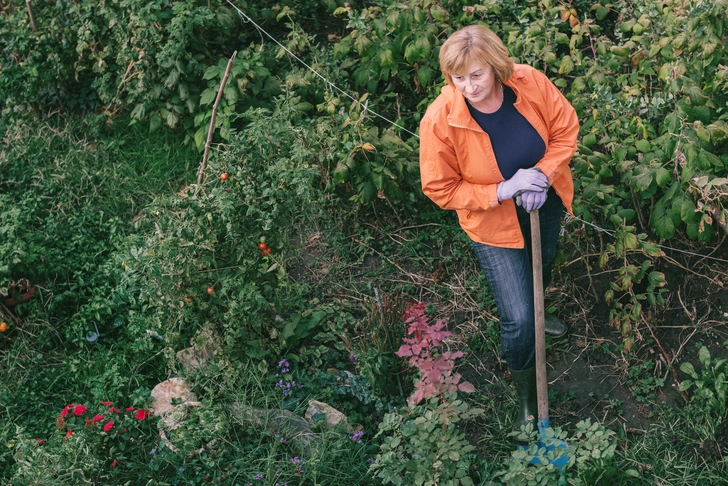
[
  {"x": 525, "y": 383},
  {"x": 554, "y": 326}
]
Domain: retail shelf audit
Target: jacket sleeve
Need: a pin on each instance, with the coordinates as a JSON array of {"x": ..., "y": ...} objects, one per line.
[
  {"x": 563, "y": 125},
  {"x": 441, "y": 176}
]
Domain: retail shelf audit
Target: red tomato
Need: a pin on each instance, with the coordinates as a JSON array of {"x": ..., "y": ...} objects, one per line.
[
  {"x": 224, "y": 176},
  {"x": 262, "y": 245},
  {"x": 210, "y": 290}
]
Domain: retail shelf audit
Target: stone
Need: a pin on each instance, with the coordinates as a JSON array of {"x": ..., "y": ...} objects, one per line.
[
  {"x": 206, "y": 346},
  {"x": 294, "y": 429},
  {"x": 167, "y": 391},
  {"x": 334, "y": 418}
]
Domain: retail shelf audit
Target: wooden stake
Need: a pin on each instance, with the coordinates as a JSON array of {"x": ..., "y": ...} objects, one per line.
[
  {"x": 30, "y": 13},
  {"x": 211, "y": 130}
]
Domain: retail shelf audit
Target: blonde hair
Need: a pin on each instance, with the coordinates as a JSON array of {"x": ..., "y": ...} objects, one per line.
[{"x": 475, "y": 43}]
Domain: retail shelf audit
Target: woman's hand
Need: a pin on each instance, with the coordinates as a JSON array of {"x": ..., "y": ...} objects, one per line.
[
  {"x": 531, "y": 200},
  {"x": 523, "y": 180}
]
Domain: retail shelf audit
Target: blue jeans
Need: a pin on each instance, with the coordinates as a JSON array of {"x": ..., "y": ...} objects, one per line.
[{"x": 510, "y": 277}]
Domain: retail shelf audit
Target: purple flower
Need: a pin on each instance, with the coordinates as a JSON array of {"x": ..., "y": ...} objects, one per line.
[
  {"x": 284, "y": 366},
  {"x": 357, "y": 436},
  {"x": 258, "y": 477},
  {"x": 352, "y": 358}
]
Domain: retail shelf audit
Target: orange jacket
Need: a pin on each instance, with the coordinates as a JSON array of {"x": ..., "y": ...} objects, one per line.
[{"x": 458, "y": 167}]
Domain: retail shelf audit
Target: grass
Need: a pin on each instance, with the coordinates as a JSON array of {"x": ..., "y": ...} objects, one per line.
[{"x": 81, "y": 184}]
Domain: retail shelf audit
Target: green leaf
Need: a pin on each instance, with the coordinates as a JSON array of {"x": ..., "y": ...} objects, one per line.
[
  {"x": 688, "y": 369},
  {"x": 290, "y": 328},
  {"x": 704, "y": 356},
  {"x": 663, "y": 177},
  {"x": 154, "y": 122},
  {"x": 172, "y": 119},
  {"x": 643, "y": 146},
  {"x": 703, "y": 133},
  {"x": 567, "y": 65},
  {"x": 211, "y": 72},
  {"x": 589, "y": 139},
  {"x": 664, "y": 226},
  {"x": 138, "y": 112},
  {"x": 656, "y": 278},
  {"x": 627, "y": 214},
  {"x": 424, "y": 74},
  {"x": 200, "y": 137},
  {"x": 367, "y": 192},
  {"x": 688, "y": 210},
  {"x": 412, "y": 53},
  {"x": 386, "y": 58},
  {"x": 708, "y": 160},
  {"x": 341, "y": 172},
  {"x": 438, "y": 13},
  {"x": 642, "y": 181},
  {"x": 701, "y": 113},
  {"x": 208, "y": 96}
]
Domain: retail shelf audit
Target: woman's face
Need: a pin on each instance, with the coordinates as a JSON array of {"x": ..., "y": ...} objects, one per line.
[{"x": 478, "y": 84}]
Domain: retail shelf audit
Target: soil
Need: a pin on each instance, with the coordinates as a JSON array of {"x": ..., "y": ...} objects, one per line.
[{"x": 590, "y": 375}]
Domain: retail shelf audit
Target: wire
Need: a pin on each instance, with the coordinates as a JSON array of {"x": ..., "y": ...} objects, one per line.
[
  {"x": 332, "y": 85},
  {"x": 569, "y": 218}
]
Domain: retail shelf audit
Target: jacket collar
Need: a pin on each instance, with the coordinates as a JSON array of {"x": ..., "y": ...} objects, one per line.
[{"x": 459, "y": 115}]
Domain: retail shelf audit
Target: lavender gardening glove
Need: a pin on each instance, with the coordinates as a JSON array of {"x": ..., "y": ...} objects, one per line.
[
  {"x": 523, "y": 180},
  {"x": 531, "y": 200}
]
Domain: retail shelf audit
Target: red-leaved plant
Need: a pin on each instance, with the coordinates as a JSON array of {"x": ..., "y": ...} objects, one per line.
[{"x": 436, "y": 369}]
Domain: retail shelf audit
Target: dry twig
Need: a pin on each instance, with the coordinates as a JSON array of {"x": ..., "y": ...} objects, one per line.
[{"x": 211, "y": 130}]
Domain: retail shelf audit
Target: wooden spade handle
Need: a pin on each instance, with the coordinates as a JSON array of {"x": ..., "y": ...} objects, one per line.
[{"x": 538, "y": 306}]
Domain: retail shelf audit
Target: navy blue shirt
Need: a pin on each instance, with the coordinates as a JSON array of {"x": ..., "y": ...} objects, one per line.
[{"x": 516, "y": 144}]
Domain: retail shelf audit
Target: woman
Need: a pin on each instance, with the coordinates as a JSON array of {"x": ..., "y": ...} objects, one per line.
[{"x": 495, "y": 145}]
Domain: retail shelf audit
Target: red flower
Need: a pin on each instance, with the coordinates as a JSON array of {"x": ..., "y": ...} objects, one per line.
[
  {"x": 64, "y": 412},
  {"x": 108, "y": 426},
  {"x": 60, "y": 422},
  {"x": 79, "y": 409},
  {"x": 129, "y": 409},
  {"x": 89, "y": 423},
  {"x": 113, "y": 464},
  {"x": 114, "y": 410},
  {"x": 141, "y": 414},
  {"x": 98, "y": 418},
  {"x": 107, "y": 403},
  {"x": 40, "y": 441},
  {"x": 69, "y": 433}
]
